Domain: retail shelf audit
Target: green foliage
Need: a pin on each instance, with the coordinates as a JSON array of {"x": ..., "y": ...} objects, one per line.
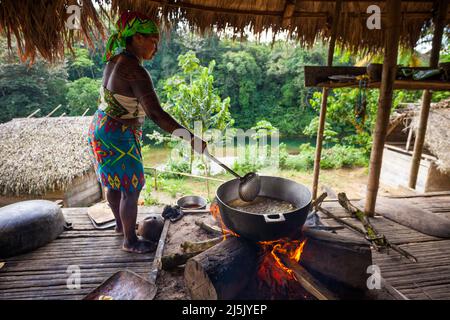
[
  {"x": 336, "y": 157},
  {"x": 329, "y": 135},
  {"x": 249, "y": 163},
  {"x": 174, "y": 186},
  {"x": 175, "y": 166},
  {"x": 83, "y": 93},
  {"x": 149, "y": 200},
  {"x": 341, "y": 115},
  {"x": 80, "y": 64},
  {"x": 190, "y": 96},
  {"x": 24, "y": 88}
]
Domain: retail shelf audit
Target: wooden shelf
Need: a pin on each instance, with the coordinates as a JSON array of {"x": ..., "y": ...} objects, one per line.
[
  {"x": 398, "y": 84},
  {"x": 318, "y": 76}
]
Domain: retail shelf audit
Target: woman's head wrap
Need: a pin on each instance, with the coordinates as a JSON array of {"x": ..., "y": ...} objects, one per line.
[{"x": 128, "y": 25}]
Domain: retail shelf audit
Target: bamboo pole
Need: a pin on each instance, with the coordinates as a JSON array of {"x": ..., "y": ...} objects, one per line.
[
  {"x": 439, "y": 24},
  {"x": 84, "y": 113},
  {"x": 323, "y": 105},
  {"x": 53, "y": 111},
  {"x": 392, "y": 34},
  {"x": 34, "y": 112}
]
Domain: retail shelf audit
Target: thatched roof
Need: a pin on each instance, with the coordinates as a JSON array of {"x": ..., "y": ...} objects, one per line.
[
  {"x": 42, "y": 154},
  {"x": 39, "y": 25},
  {"x": 437, "y": 137}
]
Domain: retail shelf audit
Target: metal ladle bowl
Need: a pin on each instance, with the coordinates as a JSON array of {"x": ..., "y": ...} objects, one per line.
[{"x": 249, "y": 185}]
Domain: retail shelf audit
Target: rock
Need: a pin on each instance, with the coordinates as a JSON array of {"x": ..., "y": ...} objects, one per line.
[{"x": 27, "y": 225}]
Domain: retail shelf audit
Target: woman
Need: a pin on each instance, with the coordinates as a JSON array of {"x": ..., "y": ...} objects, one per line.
[{"x": 126, "y": 97}]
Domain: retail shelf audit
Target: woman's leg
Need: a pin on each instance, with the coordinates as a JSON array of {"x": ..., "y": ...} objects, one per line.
[
  {"x": 113, "y": 197},
  {"x": 128, "y": 214}
]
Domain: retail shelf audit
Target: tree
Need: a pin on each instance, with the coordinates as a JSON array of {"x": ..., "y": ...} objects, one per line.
[
  {"x": 25, "y": 88},
  {"x": 80, "y": 64},
  {"x": 83, "y": 93},
  {"x": 190, "y": 97}
]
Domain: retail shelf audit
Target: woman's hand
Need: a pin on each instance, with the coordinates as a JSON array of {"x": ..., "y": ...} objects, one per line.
[{"x": 198, "y": 144}]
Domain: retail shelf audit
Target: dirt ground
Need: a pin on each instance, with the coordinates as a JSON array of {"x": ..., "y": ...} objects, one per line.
[{"x": 171, "y": 284}]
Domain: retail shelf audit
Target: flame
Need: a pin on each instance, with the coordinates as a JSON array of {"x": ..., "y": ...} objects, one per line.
[
  {"x": 271, "y": 265},
  {"x": 215, "y": 211}
]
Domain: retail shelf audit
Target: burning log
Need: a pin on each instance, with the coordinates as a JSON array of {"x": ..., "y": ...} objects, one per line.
[
  {"x": 341, "y": 259},
  {"x": 222, "y": 271},
  {"x": 307, "y": 281}
]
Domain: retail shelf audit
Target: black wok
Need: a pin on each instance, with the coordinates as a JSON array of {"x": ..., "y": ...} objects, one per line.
[{"x": 265, "y": 227}]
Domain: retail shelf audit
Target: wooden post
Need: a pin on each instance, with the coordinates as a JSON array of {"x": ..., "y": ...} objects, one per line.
[
  {"x": 34, "y": 112},
  {"x": 439, "y": 24},
  {"x": 392, "y": 35},
  {"x": 53, "y": 111},
  {"x": 323, "y": 105},
  {"x": 84, "y": 113},
  {"x": 408, "y": 141}
]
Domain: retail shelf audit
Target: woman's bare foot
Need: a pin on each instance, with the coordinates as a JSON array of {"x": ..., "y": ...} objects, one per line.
[{"x": 139, "y": 246}]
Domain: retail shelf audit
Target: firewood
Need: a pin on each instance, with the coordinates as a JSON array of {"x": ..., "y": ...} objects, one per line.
[
  {"x": 308, "y": 282},
  {"x": 319, "y": 200},
  {"x": 341, "y": 258},
  {"x": 191, "y": 249},
  {"x": 210, "y": 229},
  {"x": 222, "y": 271},
  {"x": 200, "y": 246},
  {"x": 372, "y": 234},
  {"x": 171, "y": 261}
]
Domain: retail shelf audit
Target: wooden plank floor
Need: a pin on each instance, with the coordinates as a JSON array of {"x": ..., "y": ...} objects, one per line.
[
  {"x": 43, "y": 273},
  {"x": 427, "y": 279}
]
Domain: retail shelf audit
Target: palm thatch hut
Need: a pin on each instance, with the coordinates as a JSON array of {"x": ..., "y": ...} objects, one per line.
[
  {"x": 39, "y": 27},
  {"x": 47, "y": 158},
  {"x": 434, "y": 170},
  {"x": 46, "y": 32}
]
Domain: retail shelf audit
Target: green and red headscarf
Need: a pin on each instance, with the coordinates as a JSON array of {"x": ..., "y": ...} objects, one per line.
[{"x": 128, "y": 25}]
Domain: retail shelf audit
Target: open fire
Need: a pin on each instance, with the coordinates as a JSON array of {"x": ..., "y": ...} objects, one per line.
[{"x": 272, "y": 272}]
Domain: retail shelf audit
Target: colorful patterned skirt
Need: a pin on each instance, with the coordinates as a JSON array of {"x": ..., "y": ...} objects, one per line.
[{"x": 116, "y": 153}]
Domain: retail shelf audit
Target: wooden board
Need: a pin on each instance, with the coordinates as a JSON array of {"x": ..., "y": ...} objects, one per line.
[
  {"x": 317, "y": 76},
  {"x": 430, "y": 277},
  {"x": 43, "y": 273},
  {"x": 412, "y": 216}
]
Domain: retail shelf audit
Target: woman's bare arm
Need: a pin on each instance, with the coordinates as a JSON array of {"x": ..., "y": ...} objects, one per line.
[{"x": 142, "y": 87}]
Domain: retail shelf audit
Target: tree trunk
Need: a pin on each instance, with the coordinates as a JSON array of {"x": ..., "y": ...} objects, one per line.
[{"x": 222, "y": 271}]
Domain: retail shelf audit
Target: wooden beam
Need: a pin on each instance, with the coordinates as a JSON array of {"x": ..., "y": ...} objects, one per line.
[
  {"x": 435, "y": 85},
  {"x": 439, "y": 25},
  {"x": 278, "y": 13},
  {"x": 323, "y": 105},
  {"x": 392, "y": 35},
  {"x": 288, "y": 13}
]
